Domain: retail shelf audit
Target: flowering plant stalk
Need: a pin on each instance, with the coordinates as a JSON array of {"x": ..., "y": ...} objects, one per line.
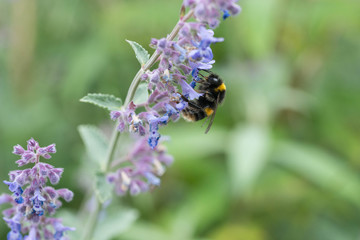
[
  {"x": 156, "y": 97},
  {"x": 32, "y": 201}
]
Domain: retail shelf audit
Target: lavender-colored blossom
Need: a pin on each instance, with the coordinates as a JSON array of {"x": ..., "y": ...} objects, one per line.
[
  {"x": 188, "y": 91},
  {"x": 32, "y": 200},
  {"x": 171, "y": 86},
  {"x": 209, "y": 11},
  {"x": 147, "y": 165}
]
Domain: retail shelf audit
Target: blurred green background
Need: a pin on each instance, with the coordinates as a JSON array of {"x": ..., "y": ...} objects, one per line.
[{"x": 282, "y": 159}]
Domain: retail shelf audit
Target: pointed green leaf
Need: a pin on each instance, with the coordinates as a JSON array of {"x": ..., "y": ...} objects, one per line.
[
  {"x": 103, "y": 189},
  {"x": 320, "y": 168},
  {"x": 248, "y": 151},
  {"x": 141, "y": 54},
  {"x": 115, "y": 222},
  {"x": 107, "y": 101},
  {"x": 95, "y": 142},
  {"x": 141, "y": 94}
]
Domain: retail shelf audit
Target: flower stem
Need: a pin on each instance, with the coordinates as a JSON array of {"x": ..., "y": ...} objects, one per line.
[
  {"x": 153, "y": 59},
  {"x": 89, "y": 231},
  {"x": 92, "y": 222}
]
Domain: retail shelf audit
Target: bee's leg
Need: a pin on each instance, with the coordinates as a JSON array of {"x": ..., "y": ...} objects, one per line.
[
  {"x": 191, "y": 103},
  {"x": 206, "y": 70}
]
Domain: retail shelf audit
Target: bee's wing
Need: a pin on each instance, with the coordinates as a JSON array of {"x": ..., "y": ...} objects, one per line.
[{"x": 212, "y": 117}]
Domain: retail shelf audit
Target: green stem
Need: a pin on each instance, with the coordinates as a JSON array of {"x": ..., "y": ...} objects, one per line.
[
  {"x": 111, "y": 150},
  {"x": 153, "y": 59},
  {"x": 92, "y": 222}
]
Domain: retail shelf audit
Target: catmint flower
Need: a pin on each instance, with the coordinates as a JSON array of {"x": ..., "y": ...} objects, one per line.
[
  {"x": 147, "y": 165},
  {"x": 31, "y": 200},
  {"x": 209, "y": 11},
  {"x": 171, "y": 86}
]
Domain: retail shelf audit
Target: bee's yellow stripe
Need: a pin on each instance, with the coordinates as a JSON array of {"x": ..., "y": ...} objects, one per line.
[
  {"x": 208, "y": 111},
  {"x": 220, "y": 88}
]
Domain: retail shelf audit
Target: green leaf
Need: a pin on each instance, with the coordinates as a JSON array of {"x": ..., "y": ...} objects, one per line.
[
  {"x": 116, "y": 221},
  {"x": 146, "y": 230},
  {"x": 95, "y": 142},
  {"x": 320, "y": 168},
  {"x": 248, "y": 150},
  {"x": 260, "y": 40},
  {"x": 141, "y": 94},
  {"x": 193, "y": 215},
  {"x": 141, "y": 54},
  {"x": 103, "y": 189},
  {"x": 106, "y": 101}
]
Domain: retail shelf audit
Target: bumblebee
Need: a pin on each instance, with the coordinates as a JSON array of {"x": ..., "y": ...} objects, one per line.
[{"x": 213, "y": 90}]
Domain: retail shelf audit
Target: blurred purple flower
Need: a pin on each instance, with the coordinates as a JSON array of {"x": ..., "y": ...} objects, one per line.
[
  {"x": 29, "y": 206},
  {"x": 147, "y": 165}
]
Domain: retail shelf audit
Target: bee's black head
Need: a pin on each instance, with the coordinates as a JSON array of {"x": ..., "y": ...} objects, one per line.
[{"x": 214, "y": 80}]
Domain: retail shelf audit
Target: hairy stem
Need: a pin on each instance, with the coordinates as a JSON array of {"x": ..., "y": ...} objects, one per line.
[{"x": 92, "y": 222}]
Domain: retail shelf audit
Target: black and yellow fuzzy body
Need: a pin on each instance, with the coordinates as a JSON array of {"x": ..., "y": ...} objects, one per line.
[{"x": 213, "y": 90}]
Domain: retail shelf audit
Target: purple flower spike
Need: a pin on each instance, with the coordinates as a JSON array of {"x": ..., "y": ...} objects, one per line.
[
  {"x": 33, "y": 152},
  {"x": 32, "y": 201},
  {"x": 179, "y": 59},
  {"x": 147, "y": 166}
]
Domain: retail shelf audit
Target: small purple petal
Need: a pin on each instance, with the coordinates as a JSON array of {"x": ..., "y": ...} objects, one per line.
[
  {"x": 54, "y": 178},
  {"x": 32, "y": 234},
  {"x": 51, "y": 148},
  {"x": 51, "y": 192},
  {"x": 32, "y": 145},
  {"x": 134, "y": 188},
  {"x": 18, "y": 150},
  {"x": 188, "y": 91},
  {"x": 161, "y": 43},
  {"x": 226, "y": 14},
  {"x": 152, "y": 179},
  {"x": 6, "y": 198},
  {"x": 66, "y": 194},
  {"x": 115, "y": 115},
  {"x": 234, "y": 9},
  {"x": 153, "y": 140}
]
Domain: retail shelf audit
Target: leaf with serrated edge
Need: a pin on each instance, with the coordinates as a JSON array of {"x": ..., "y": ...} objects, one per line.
[
  {"x": 106, "y": 101},
  {"x": 103, "y": 189},
  {"x": 95, "y": 142},
  {"x": 141, "y": 54},
  {"x": 141, "y": 94}
]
